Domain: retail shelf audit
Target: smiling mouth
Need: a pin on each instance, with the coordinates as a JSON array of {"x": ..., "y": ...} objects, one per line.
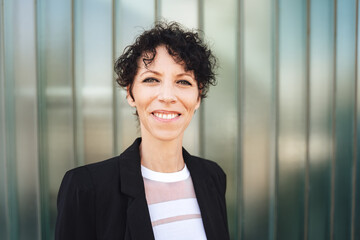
[{"x": 166, "y": 116}]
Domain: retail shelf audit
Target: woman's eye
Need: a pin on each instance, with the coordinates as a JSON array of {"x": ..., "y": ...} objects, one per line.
[
  {"x": 184, "y": 82},
  {"x": 150, "y": 80}
]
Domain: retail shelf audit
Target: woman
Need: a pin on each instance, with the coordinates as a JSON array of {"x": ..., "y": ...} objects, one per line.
[{"x": 155, "y": 189}]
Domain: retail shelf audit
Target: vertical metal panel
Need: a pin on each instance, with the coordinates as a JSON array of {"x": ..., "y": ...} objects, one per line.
[
  {"x": 292, "y": 119},
  {"x": 237, "y": 220},
  {"x": 157, "y": 10},
  {"x": 133, "y": 16},
  {"x": 308, "y": 119},
  {"x": 24, "y": 78},
  {"x": 220, "y": 108},
  {"x": 4, "y": 226},
  {"x": 355, "y": 213},
  {"x": 321, "y": 76},
  {"x": 356, "y": 210},
  {"x": 186, "y": 13},
  {"x": 344, "y": 127},
  {"x": 356, "y": 151},
  {"x": 9, "y": 101},
  {"x": 333, "y": 126},
  {"x": 117, "y": 20},
  {"x": 115, "y": 106},
  {"x": 42, "y": 140},
  {"x": 257, "y": 124},
  {"x": 93, "y": 54},
  {"x": 200, "y": 114},
  {"x": 55, "y": 103},
  {"x": 200, "y": 15},
  {"x": 274, "y": 121}
]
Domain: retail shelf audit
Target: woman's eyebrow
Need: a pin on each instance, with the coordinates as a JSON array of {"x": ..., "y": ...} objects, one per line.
[
  {"x": 159, "y": 74},
  {"x": 185, "y": 74},
  {"x": 150, "y": 71}
]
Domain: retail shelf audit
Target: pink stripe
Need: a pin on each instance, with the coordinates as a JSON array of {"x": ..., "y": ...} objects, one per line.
[
  {"x": 157, "y": 192},
  {"x": 175, "y": 219}
]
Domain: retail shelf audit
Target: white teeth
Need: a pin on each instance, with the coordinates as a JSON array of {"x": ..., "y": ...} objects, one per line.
[{"x": 166, "y": 116}]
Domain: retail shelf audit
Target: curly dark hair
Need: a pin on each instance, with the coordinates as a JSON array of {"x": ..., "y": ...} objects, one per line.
[{"x": 185, "y": 46}]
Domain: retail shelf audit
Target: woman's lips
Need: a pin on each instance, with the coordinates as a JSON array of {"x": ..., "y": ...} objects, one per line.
[{"x": 166, "y": 115}]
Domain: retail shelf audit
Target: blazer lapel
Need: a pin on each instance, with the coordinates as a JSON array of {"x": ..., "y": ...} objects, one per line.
[
  {"x": 206, "y": 197},
  {"x": 132, "y": 185}
]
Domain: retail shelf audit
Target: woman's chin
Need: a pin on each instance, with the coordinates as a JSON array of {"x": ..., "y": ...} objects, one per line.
[{"x": 167, "y": 136}]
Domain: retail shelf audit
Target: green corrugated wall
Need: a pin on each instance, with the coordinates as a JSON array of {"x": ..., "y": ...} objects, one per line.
[{"x": 283, "y": 121}]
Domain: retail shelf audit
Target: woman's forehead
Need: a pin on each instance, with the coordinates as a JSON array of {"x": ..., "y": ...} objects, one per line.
[{"x": 160, "y": 56}]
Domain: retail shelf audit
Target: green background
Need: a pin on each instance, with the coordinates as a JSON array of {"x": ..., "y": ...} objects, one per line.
[{"x": 283, "y": 121}]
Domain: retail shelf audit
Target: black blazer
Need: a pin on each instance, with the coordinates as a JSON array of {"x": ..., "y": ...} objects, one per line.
[{"x": 106, "y": 200}]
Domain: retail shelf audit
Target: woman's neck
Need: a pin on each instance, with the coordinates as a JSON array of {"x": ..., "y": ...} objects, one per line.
[{"x": 161, "y": 156}]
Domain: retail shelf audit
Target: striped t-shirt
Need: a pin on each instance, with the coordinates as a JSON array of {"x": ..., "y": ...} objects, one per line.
[{"x": 174, "y": 210}]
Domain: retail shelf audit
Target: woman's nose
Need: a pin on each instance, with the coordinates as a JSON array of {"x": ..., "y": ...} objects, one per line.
[{"x": 167, "y": 93}]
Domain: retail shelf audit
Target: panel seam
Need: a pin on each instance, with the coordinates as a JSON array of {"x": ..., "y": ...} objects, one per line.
[
  {"x": 240, "y": 102},
  {"x": 74, "y": 88},
  {"x": 308, "y": 115},
  {"x": 42, "y": 164},
  {"x": 157, "y": 6},
  {"x": 333, "y": 157},
  {"x": 114, "y": 96},
  {"x": 354, "y": 172}
]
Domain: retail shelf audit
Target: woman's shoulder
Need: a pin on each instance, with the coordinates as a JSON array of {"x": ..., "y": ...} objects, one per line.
[
  {"x": 106, "y": 172},
  {"x": 96, "y": 167},
  {"x": 207, "y": 166},
  {"x": 89, "y": 175},
  {"x": 207, "y": 163}
]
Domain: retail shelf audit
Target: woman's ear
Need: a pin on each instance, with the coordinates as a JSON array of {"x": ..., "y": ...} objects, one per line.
[
  {"x": 129, "y": 98},
  {"x": 198, "y": 100},
  {"x": 198, "y": 103}
]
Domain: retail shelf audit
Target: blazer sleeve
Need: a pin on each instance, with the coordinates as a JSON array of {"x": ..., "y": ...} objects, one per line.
[{"x": 76, "y": 207}]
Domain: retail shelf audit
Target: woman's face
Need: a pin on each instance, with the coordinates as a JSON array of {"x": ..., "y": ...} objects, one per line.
[{"x": 165, "y": 96}]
